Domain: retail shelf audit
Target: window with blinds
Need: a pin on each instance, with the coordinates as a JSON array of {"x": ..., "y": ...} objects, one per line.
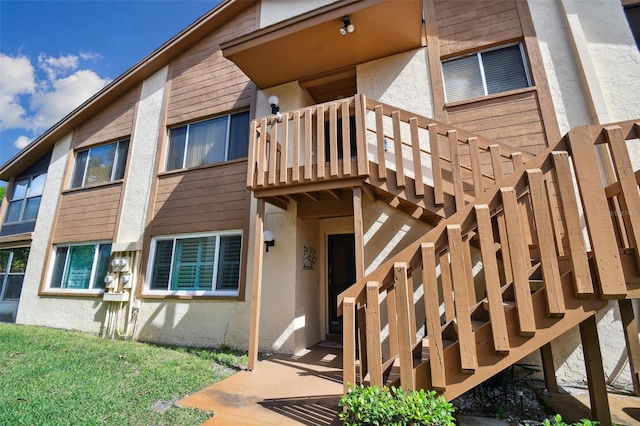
[
  {"x": 223, "y": 138},
  {"x": 205, "y": 264},
  {"x": 485, "y": 73},
  {"x": 80, "y": 266}
]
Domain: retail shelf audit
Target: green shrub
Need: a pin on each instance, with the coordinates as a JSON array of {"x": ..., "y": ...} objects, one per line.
[
  {"x": 557, "y": 421},
  {"x": 370, "y": 405}
]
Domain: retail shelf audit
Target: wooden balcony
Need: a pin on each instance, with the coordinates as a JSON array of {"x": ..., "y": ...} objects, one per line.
[{"x": 312, "y": 152}]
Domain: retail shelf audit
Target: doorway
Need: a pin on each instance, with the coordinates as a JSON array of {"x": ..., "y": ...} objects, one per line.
[{"x": 341, "y": 275}]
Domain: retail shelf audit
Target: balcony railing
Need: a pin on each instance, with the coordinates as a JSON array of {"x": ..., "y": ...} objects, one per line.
[{"x": 311, "y": 144}]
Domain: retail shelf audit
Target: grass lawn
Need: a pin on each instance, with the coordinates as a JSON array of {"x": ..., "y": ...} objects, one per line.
[{"x": 54, "y": 377}]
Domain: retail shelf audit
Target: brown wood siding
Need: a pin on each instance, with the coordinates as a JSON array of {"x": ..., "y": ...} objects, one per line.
[
  {"x": 466, "y": 26},
  {"x": 204, "y": 83},
  {"x": 514, "y": 120},
  {"x": 88, "y": 215},
  {"x": 113, "y": 122},
  {"x": 202, "y": 200}
]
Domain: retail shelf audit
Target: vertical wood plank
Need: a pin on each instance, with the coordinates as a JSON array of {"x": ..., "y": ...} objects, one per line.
[
  {"x": 361, "y": 136},
  {"x": 504, "y": 248},
  {"x": 361, "y": 340},
  {"x": 262, "y": 151},
  {"x": 333, "y": 139},
  {"x": 492, "y": 280},
  {"x": 295, "y": 172},
  {"x": 397, "y": 144},
  {"x": 374, "y": 350},
  {"x": 516, "y": 159},
  {"x": 468, "y": 269},
  {"x": 405, "y": 348},
  {"x": 628, "y": 184},
  {"x": 458, "y": 189},
  {"x": 256, "y": 287},
  {"x": 520, "y": 262},
  {"x": 476, "y": 167},
  {"x": 284, "y": 150},
  {"x": 496, "y": 162},
  {"x": 595, "y": 372},
  {"x": 630, "y": 327},
  {"x": 320, "y": 141},
  {"x": 466, "y": 340},
  {"x": 251, "y": 155},
  {"x": 273, "y": 154},
  {"x": 436, "y": 166},
  {"x": 583, "y": 283},
  {"x": 546, "y": 244},
  {"x": 346, "y": 138},
  {"x": 412, "y": 310},
  {"x": 548, "y": 369},
  {"x": 552, "y": 199},
  {"x": 603, "y": 240},
  {"x": 417, "y": 160},
  {"x": 447, "y": 287},
  {"x": 432, "y": 311},
  {"x": 358, "y": 231},
  {"x": 393, "y": 322},
  {"x": 348, "y": 343},
  {"x": 308, "y": 145},
  {"x": 382, "y": 160}
]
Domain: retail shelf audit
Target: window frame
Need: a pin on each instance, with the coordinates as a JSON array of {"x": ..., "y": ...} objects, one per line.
[
  {"x": 4, "y": 276},
  {"x": 149, "y": 291},
  {"x": 92, "y": 290},
  {"x": 24, "y": 199},
  {"x": 114, "y": 166},
  {"x": 478, "y": 55},
  {"x": 188, "y": 125}
]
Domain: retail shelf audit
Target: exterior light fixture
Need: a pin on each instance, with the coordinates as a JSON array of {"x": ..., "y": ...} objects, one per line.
[
  {"x": 347, "y": 27},
  {"x": 268, "y": 240},
  {"x": 274, "y": 102}
]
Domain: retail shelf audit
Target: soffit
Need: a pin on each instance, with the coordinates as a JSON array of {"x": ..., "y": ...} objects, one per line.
[{"x": 310, "y": 44}]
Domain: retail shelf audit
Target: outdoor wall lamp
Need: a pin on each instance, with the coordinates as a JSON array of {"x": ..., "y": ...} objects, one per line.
[
  {"x": 268, "y": 240},
  {"x": 347, "y": 27},
  {"x": 274, "y": 102}
]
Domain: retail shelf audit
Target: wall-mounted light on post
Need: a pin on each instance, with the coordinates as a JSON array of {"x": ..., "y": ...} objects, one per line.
[{"x": 268, "y": 240}]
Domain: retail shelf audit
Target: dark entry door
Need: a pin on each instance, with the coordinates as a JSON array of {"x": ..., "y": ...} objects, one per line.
[{"x": 342, "y": 274}]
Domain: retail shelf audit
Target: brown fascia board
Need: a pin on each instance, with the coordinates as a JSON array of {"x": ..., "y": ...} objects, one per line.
[
  {"x": 217, "y": 16},
  {"x": 292, "y": 25}
]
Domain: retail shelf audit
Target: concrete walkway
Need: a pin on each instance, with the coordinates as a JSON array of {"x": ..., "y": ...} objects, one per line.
[{"x": 283, "y": 390}]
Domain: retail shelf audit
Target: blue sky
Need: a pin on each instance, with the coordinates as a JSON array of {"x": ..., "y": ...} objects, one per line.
[{"x": 56, "y": 54}]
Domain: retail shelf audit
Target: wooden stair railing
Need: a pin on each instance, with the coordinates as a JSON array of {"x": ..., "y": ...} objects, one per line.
[
  {"x": 296, "y": 151},
  {"x": 504, "y": 275}
]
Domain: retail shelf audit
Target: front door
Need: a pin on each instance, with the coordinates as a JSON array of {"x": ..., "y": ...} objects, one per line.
[{"x": 341, "y": 273}]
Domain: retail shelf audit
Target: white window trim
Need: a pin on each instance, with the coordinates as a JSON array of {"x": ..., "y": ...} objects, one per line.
[
  {"x": 91, "y": 290},
  {"x": 478, "y": 56},
  {"x": 186, "y": 142},
  {"x": 148, "y": 291}
]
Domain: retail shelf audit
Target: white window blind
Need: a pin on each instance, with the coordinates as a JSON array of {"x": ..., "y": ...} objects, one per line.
[{"x": 485, "y": 73}]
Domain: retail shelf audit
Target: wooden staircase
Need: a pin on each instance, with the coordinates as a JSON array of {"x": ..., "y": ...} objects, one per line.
[{"x": 505, "y": 274}]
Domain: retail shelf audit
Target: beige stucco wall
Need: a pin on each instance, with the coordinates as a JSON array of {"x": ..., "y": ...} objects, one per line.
[
  {"x": 610, "y": 64},
  {"x": 273, "y": 11}
]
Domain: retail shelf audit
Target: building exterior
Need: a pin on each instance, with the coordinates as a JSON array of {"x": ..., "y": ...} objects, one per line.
[{"x": 165, "y": 181}]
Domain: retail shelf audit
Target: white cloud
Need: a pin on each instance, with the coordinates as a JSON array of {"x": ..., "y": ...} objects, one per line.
[
  {"x": 22, "y": 142},
  {"x": 34, "y": 99},
  {"x": 55, "y": 67},
  {"x": 17, "y": 75}
]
